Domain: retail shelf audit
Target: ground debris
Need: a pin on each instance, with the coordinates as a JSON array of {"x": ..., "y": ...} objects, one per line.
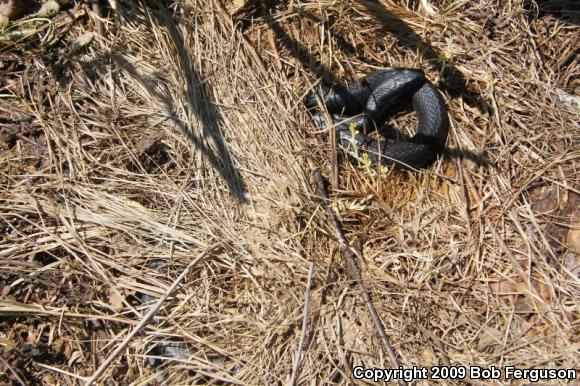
[{"x": 184, "y": 126}]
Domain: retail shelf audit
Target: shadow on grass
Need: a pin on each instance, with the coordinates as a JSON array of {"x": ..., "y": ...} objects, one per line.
[
  {"x": 564, "y": 10},
  {"x": 198, "y": 102},
  {"x": 452, "y": 81}
]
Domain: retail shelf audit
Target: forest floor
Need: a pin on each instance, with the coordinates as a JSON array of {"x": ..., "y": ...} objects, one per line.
[{"x": 133, "y": 141}]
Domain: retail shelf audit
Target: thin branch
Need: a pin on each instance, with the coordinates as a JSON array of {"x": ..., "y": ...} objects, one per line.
[
  {"x": 251, "y": 50},
  {"x": 304, "y": 325},
  {"x": 16, "y": 375},
  {"x": 96, "y": 5},
  {"x": 354, "y": 271},
  {"x": 148, "y": 317}
]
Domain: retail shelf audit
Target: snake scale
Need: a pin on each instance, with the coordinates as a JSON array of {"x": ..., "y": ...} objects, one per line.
[{"x": 362, "y": 106}]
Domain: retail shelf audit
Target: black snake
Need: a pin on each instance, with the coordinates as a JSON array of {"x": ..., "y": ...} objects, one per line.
[{"x": 366, "y": 103}]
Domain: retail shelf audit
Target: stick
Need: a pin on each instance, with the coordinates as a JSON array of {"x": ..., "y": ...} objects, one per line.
[
  {"x": 252, "y": 51},
  {"x": 333, "y": 155},
  {"x": 354, "y": 272},
  {"x": 98, "y": 18},
  {"x": 16, "y": 375},
  {"x": 304, "y": 323},
  {"x": 331, "y": 139},
  {"x": 147, "y": 318}
]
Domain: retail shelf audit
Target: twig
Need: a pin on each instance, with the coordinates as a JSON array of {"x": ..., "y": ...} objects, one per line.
[
  {"x": 333, "y": 155},
  {"x": 251, "y": 50},
  {"x": 59, "y": 371},
  {"x": 147, "y": 318},
  {"x": 9, "y": 309},
  {"x": 16, "y": 375},
  {"x": 331, "y": 140},
  {"x": 272, "y": 42},
  {"x": 98, "y": 17},
  {"x": 304, "y": 323},
  {"x": 249, "y": 47},
  {"x": 354, "y": 272},
  {"x": 277, "y": 55}
]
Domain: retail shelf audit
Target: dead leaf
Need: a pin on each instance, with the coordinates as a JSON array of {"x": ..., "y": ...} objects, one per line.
[
  {"x": 115, "y": 300},
  {"x": 545, "y": 200}
]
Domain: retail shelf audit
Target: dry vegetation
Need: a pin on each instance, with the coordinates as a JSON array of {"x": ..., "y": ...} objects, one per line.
[{"x": 183, "y": 128}]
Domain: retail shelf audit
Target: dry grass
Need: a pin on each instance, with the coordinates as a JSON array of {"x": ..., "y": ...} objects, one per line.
[{"x": 170, "y": 136}]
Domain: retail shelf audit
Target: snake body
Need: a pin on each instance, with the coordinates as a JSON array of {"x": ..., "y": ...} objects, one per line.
[{"x": 362, "y": 107}]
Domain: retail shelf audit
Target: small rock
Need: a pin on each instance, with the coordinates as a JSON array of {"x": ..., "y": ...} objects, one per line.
[{"x": 49, "y": 9}]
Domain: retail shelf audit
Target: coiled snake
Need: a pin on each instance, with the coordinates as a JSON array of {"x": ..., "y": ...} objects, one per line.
[{"x": 366, "y": 103}]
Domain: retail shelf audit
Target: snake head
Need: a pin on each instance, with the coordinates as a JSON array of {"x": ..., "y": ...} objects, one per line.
[
  {"x": 337, "y": 99},
  {"x": 321, "y": 92},
  {"x": 320, "y": 121}
]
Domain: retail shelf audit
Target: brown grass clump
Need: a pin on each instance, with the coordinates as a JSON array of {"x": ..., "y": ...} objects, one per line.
[{"x": 182, "y": 128}]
